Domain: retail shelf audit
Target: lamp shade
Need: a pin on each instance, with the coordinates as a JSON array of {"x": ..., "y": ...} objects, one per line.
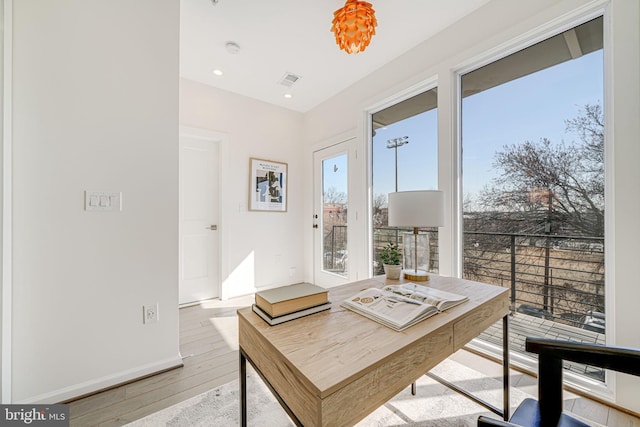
[{"x": 423, "y": 208}]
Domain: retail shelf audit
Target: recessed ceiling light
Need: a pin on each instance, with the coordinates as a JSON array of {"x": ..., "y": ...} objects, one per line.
[
  {"x": 288, "y": 95},
  {"x": 217, "y": 72}
]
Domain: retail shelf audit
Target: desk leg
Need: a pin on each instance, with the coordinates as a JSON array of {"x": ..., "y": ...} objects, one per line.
[
  {"x": 505, "y": 367},
  {"x": 505, "y": 377},
  {"x": 244, "y": 358},
  {"x": 243, "y": 389}
]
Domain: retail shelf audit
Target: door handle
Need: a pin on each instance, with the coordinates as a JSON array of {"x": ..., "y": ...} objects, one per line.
[{"x": 212, "y": 227}]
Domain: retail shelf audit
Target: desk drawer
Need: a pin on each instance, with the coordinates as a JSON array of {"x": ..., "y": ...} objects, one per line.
[
  {"x": 380, "y": 383},
  {"x": 478, "y": 320}
]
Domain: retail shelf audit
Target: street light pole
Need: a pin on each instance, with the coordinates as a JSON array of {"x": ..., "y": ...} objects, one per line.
[{"x": 395, "y": 143}]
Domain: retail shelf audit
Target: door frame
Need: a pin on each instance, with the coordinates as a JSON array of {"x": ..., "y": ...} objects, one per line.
[
  {"x": 348, "y": 146},
  {"x": 223, "y": 155},
  {"x": 6, "y": 298}
]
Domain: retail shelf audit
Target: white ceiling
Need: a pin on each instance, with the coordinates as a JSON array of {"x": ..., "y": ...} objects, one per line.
[{"x": 277, "y": 37}]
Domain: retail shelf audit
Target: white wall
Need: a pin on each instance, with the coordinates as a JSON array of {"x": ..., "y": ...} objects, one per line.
[
  {"x": 262, "y": 247},
  {"x": 491, "y": 30},
  {"x": 95, "y": 106}
]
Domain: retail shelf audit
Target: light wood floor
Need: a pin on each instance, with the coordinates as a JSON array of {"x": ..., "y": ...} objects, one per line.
[{"x": 209, "y": 345}]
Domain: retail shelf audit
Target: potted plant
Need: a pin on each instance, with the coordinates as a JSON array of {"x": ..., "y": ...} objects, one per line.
[{"x": 390, "y": 256}]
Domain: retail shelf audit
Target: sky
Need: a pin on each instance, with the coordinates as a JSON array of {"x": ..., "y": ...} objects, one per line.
[
  {"x": 334, "y": 170},
  {"x": 527, "y": 109},
  {"x": 417, "y": 160}
]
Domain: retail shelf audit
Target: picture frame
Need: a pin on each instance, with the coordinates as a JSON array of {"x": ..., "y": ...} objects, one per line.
[{"x": 267, "y": 185}]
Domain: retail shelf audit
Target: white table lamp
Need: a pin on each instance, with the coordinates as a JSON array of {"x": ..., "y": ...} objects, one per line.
[{"x": 416, "y": 209}]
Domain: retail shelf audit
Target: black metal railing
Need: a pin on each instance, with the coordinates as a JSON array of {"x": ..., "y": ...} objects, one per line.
[
  {"x": 555, "y": 277},
  {"x": 335, "y": 249},
  {"x": 559, "y": 278},
  {"x": 384, "y": 235}
]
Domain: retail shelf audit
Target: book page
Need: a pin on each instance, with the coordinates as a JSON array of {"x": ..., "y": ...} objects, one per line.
[
  {"x": 396, "y": 310},
  {"x": 441, "y": 299}
]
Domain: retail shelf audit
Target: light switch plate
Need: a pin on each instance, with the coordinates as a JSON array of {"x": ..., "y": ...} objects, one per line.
[{"x": 102, "y": 201}]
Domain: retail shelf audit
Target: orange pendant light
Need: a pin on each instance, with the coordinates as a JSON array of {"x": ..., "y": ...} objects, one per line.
[{"x": 354, "y": 25}]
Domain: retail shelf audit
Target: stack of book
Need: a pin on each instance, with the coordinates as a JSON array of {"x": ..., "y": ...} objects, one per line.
[{"x": 286, "y": 303}]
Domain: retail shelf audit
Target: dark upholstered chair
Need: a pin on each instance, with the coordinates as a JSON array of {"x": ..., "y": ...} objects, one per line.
[{"x": 547, "y": 410}]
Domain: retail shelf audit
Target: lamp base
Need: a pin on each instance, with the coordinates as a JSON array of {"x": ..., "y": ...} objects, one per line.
[{"x": 416, "y": 276}]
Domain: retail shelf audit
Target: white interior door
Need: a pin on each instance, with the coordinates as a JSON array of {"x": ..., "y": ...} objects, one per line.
[
  {"x": 331, "y": 215},
  {"x": 199, "y": 238}
]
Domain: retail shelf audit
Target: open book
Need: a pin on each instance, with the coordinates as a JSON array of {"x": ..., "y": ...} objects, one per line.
[{"x": 401, "y": 306}]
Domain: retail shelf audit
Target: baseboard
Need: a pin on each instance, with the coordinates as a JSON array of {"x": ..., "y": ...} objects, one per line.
[{"x": 89, "y": 387}]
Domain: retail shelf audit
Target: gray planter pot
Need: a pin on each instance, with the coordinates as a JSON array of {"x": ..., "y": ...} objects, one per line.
[{"x": 392, "y": 271}]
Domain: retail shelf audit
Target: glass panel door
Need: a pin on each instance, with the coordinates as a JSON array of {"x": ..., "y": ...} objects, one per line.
[
  {"x": 331, "y": 215},
  {"x": 334, "y": 214}
]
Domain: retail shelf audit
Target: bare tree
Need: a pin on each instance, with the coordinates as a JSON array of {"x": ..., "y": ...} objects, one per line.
[
  {"x": 333, "y": 196},
  {"x": 379, "y": 217},
  {"x": 557, "y": 183},
  {"x": 544, "y": 187}
]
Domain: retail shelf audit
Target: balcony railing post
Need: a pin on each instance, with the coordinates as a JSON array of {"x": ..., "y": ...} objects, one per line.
[
  {"x": 333, "y": 247},
  {"x": 513, "y": 272},
  {"x": 546, "y": 275}
]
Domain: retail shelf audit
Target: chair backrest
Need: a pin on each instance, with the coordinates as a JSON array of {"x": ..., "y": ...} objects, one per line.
[{"x": 552, "y": 353}]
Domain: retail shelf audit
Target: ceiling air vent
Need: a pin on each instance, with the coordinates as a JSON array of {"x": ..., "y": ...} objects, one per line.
[{"x": 289, "y": 79}]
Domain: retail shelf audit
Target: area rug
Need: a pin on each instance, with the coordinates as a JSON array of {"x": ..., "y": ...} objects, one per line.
[{"x": 433, "y": 406}]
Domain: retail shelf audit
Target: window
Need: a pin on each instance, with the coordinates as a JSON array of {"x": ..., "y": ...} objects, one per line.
[
  {"x": 335, "y": 198},
  {"x": 533, "y": 184},
  {"x": 405, "y": 157}
]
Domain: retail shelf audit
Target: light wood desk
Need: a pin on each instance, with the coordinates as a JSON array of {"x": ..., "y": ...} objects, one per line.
[{"x": 335, "y": 367}]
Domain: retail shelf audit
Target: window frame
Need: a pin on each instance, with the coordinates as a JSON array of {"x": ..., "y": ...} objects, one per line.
[
  {"x": 552, "y": 28},
  {"x": 414, "y": 90}
]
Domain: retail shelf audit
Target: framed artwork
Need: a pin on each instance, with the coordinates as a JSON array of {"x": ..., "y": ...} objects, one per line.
[{"x": 267, "y": 185}]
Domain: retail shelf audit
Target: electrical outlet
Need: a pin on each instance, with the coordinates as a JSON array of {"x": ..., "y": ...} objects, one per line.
[{"x": 150, "y": 313}]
